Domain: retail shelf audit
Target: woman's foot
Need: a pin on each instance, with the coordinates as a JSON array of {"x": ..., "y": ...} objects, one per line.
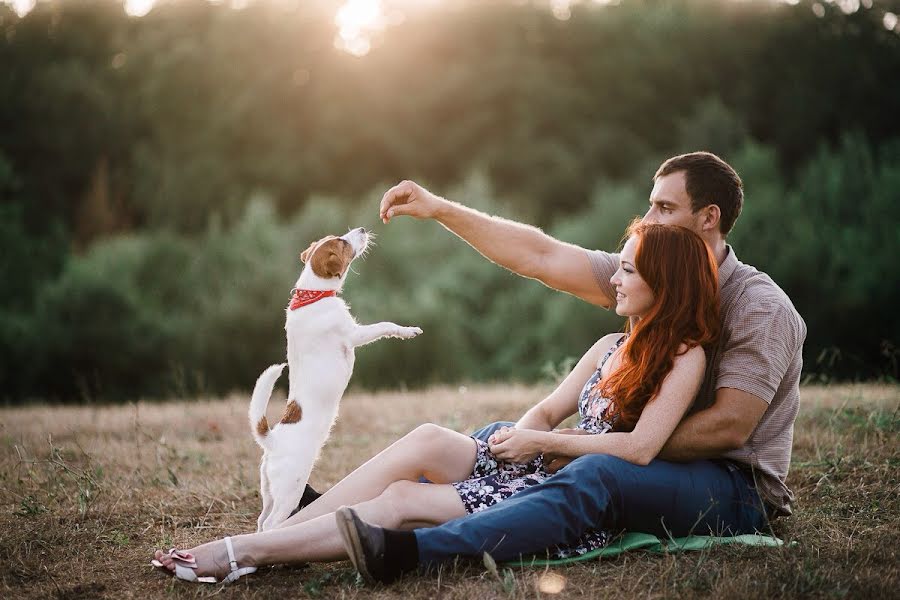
[{"x": 211, "y": 559}]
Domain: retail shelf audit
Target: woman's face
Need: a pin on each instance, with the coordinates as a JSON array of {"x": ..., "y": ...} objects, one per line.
[{"x": 633, "y": 296}]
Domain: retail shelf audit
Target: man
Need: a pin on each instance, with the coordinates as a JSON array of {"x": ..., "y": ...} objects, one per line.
[{"x": 724, "y": 468}]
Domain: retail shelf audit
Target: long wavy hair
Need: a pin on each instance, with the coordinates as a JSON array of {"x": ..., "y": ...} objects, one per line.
[{"x": 682, "y": 274}]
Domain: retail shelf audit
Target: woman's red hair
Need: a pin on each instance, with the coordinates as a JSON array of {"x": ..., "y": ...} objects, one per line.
[{"x": 682, "y": 274}]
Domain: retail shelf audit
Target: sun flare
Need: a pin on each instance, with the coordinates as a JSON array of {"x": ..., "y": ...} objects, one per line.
[
  {"x": 138, "y": 8},
  {"x": 357, "y": 20}
]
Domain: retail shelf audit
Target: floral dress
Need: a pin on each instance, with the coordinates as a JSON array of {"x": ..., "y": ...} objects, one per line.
[{"x": 494, "y": 480}]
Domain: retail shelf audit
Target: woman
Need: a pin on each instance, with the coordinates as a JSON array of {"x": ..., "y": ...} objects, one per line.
[{"x": 632, "y": 388}]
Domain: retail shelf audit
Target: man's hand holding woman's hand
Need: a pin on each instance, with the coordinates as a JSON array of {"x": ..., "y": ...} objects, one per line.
[
  {"x": 411, "y": 199},
  {"x": 516, "y": 445},
  {"x": 523, "y": 445}
]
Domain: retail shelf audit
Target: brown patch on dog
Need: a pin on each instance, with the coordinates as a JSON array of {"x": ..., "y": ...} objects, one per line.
[
  {"x": 262, "y": 427},
  {"x": 292, "y": 412},
  {"x": 330, "y": 258},
  {"x": 304, "y": 256}
]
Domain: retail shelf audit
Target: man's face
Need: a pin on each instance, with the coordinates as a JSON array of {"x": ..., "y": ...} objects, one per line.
[{"x": 671, "y": 205}]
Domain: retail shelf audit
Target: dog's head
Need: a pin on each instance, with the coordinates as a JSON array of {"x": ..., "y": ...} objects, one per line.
[{"x": 331, "y": 256}]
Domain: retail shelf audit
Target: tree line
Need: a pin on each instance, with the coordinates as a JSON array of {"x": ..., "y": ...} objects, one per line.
[{"x": 159, "y": 175}]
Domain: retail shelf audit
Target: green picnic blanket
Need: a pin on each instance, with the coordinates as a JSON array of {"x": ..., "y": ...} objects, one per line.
[{"x": 651, "y": 543}]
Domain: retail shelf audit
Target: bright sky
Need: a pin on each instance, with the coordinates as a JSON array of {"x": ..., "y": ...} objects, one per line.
[{"x": 358, "y": 20}]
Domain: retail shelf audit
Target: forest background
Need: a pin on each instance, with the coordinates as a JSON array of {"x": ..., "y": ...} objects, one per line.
[{"x": 159, "y": 176}]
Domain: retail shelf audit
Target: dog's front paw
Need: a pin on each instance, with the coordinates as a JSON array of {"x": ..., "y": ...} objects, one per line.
[{"x": 408, "y": 332}]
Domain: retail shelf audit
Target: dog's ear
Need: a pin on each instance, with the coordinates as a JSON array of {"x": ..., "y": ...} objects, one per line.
[
  {"x": 334, "y": 266},
  {"x": 331, "y": 258},
  {"x": 304, "y": 256}
]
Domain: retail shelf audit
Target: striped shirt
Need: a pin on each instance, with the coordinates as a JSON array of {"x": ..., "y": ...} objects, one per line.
[{"x": 760, "y": 353}]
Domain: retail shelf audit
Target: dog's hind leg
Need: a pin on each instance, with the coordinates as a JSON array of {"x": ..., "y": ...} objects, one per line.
[{"x": 265, "y": 492}]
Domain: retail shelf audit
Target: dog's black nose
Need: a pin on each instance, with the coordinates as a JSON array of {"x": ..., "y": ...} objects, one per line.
[{"x": 361, "y": 229}]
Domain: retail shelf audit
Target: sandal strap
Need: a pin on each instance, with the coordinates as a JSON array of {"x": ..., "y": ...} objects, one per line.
[{"x": 231, "y": 558}]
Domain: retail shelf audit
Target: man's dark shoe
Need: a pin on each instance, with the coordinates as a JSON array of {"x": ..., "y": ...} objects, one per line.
[{"x": 364, "y": 544}]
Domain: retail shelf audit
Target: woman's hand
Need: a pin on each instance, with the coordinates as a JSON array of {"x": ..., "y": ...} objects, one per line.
[{"x": 516, "y": 445}]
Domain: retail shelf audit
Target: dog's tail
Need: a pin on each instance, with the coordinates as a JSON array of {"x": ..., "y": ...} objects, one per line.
[{"x": 260, "y": 400}]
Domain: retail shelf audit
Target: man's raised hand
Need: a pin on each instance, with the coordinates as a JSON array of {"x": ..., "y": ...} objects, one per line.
[{"x": 411, "y": 199}]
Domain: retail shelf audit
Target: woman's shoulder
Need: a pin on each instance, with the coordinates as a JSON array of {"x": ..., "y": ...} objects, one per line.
[
  {"x": 610, "y": 339},
  {"x": 605, "y": 344},
  {"x": 690, "y": 355}
]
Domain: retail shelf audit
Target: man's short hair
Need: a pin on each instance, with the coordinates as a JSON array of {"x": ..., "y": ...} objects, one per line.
[{"x": 709, "y": 180}]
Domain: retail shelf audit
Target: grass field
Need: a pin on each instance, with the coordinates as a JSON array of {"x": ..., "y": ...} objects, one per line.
[{"x": 88, "y": 493}]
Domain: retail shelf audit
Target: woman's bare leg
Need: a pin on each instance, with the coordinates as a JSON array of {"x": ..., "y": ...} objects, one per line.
[
  {"x": 403, "y": 504},
  {"x": 440, "y": 454}
]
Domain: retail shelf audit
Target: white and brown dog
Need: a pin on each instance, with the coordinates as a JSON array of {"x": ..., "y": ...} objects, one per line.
[{"x": 321, "y": 337}]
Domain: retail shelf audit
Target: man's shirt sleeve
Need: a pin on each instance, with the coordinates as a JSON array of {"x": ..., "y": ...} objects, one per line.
[
  {"x": 604, "y": 265},
  {"x": 763, "y": 339}
]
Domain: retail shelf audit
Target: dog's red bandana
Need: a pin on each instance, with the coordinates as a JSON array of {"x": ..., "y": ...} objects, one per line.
[{"x": 301, "y": 298}]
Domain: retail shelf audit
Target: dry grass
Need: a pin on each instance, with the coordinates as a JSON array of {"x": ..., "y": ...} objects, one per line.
[{"x": 89, "y": 493}]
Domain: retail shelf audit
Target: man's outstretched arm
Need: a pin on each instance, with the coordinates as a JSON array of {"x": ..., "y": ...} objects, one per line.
[{"x": 523, "y": 249}]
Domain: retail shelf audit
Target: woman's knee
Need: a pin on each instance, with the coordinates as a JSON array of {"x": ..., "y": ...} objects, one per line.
[
  {"x": 427, "y": 441},
  {"x": 427, "y": 434}
]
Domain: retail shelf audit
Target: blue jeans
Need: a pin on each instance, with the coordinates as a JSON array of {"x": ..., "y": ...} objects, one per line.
[{"x": 602, "y": 492}]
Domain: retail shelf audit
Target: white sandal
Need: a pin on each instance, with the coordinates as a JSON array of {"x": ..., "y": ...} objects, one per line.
[{"x": 185, "y": 565}]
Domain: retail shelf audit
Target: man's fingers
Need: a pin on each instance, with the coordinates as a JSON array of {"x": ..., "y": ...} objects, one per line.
[
  {"x": 552, "y": 466},
  {"x": 396, "y": 196},
  {"x": 556, "y": 464},
  {"x": 500, "y": 435},
  {"x": 388, "y": 199},
  {"x": 385, "y": 202},
  {"x": 399, "y": 210}
]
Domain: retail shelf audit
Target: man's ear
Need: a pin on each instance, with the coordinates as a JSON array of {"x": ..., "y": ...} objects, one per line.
[
  {"x": 304, "y": 256},
  {"x": 712, "y": 215}
]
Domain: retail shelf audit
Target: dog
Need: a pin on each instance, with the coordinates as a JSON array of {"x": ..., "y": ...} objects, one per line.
[{"x": 321, "y": 338}]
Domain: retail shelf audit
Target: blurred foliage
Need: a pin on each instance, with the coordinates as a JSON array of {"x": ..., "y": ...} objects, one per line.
[{"x": 159, "y": 175}]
